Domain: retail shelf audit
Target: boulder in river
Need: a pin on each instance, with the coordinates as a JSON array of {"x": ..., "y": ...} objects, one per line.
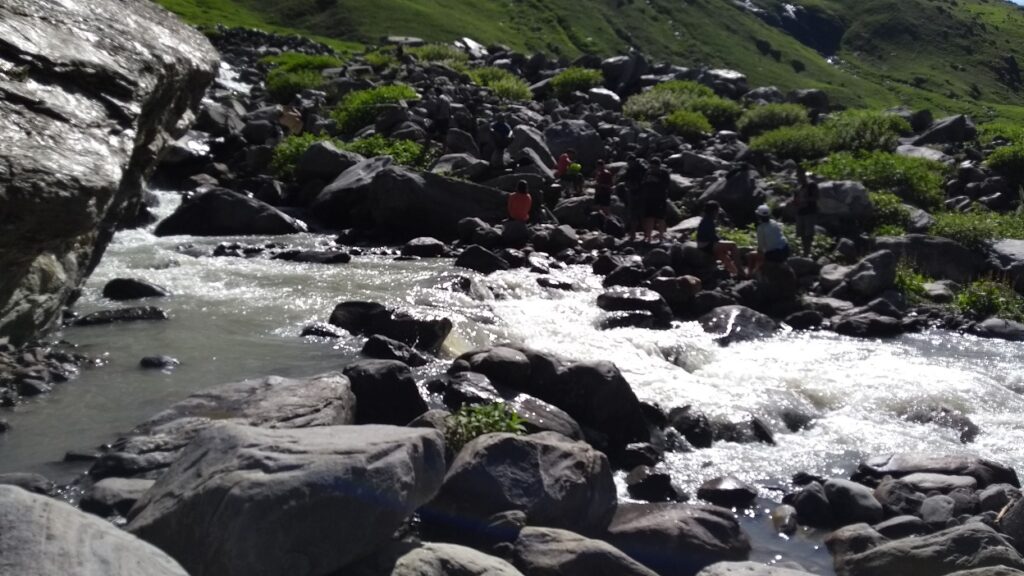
[
  {"x": 101, "y": 88},
  {"x": 550, "y": 551},
  {"x": 430, "y": 559},
  {"x": 385, "y": 392},
  {"x": 728, "y": 491},
  {"x": 42, "y": 536},
  {"x": 731, "y": 324},
  {"x": 384, "y": 348},
  {"x": 279, "y": 495},
  {"x": 369, "y": 318},
  {"x": 133, "y": 314},
  {"x": 986, "y": 472},
  {"x": 223, "y": 212},
  {"x": 132, "y": 289}
]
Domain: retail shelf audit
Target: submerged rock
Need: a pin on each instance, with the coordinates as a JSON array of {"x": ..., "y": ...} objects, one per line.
[
  {"x": 121, "y": 315},
  {"x": 731, "y": 324}
]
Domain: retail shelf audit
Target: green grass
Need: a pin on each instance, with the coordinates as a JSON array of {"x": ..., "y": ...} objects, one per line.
[
  {"x": 987, "y": 298},
  {"x": 978, "y": 228},
  {"x": 802, "y": 142},
  {"x": 470, "y": 422},
  {"x": 691, "y": 126},
  {"x": 359, "y": 109},
  {"x": 1009, "y": 132},
  {"x": 1008, "y": 161},
  {"x": 502, "y": 83},
  {"x": 922, "y": 53},
  {"x": 761, "y": 119},
  {"x": 292, "y": 73},
  {"x": 575, "y": 79},
  {"x": 721, "y": 112},
  {"x": 917, "y": 181},
  {"x": 860, "y": 130},
  {"x": 405, "y": 152},
  {"x": 889, "y": 216},
  {"x": 911, "y": 282}
]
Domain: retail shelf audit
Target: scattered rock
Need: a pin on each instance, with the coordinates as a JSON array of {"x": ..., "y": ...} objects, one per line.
[
  {"x": 732, "y": 324},
  {"x": 121, "y": 315},
  {"x": 385, "y": 392},
  {"x": 384, "y": 348},
  {"x": 159, "y": 362},
  {"x": 729, "y": 491},
  {"x": 430, "y": 559}
]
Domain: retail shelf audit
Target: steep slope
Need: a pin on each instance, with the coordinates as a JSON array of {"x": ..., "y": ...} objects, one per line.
[{"x": 948, "y": 55}]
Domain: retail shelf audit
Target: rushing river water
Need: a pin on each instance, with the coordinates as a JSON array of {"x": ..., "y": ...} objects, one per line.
[{"x": 235, "y": 318}]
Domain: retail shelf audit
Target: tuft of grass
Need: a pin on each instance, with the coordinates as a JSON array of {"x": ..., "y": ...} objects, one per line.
[
  {"x": 576, "y": 79},
  {"x": 691, "y": 126},
  {"x": 405, "y": 152},
  {"x": 1008, "y": 161},
  {"x": 381, "y": 59},
  {"x": 359, "y": 109},
  {"x": 916, "y": 180},
  {"x": 857, "y": 130},
  {"x": 991, "y": 298},
  {"x": 889, "y": 216},
  {"x": 721, "y": 112},
  {"x": 292, "y": 72},
  {"x": 911, "y": 282},
  {"x": 978, "y": 228},
  {"x": 800, "y": 142},
  {"x": 442, "y": 53},
  {"x": 502, "y": 83},
  {"x": 761, "y": 119},
  {"x": 685, "y": 88},
  {"x": 471, "y": 422}
]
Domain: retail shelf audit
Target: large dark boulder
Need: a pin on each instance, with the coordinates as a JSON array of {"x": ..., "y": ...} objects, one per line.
[
  {"x": 577, "y": 135},
  {"x": 430, "y": 559},
  {"x": 550, "y": 551},
  {"x": 731, "y": 324},
  {"x": 370, "y": 318},
  {"x": 223, "y": 212},
  {"x": 401, "y": 204},
  {"x": 132, "y": 289},
  {"x": 259, "y": 502},
  {"x": 948, "y": 130},
  {"x": 934, "y": 256},
  {"x": 385, "y": 392},
  {"x": 100, "y": 88},
  {"x": 738, "y": 193}
]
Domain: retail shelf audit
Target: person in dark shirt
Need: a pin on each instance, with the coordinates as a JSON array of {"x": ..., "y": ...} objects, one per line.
[
  {"x": 806, "y": 202},
  {"x": 633, "y": 178},
  {"x": 707, "y": 239},
  {"x": 603, "y": 184},
  {"x": 501, "y": 135},
  {"x": 655, "y": 194}
]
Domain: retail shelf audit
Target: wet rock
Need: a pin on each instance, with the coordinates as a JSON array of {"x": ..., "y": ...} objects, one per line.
[
  {"x": 114, "y": 496},
  {"x": 693, "y": 425},
  {"x": 901, "y": 527},
  {"x": 385, "y": 392},
  {"x": 598, "y": 397},
  {"x": 428, "y": 559},
  {"x": 636, "y": 299},
  {"x": 749, "y": 569},
  {"x": 850, "y": 540},
  {"x": 298, "y": 478},
  {"x": 553, "y": 284},
  {"x": 41, "y": 535},
  {"x": 370, "y": 318},
  {"x": 638, "y": 454},
  {"x": 555, "y": 481},
  {"x": 677, "y": 539},
  {"x": 812, "y": 506},
  {"x": 732, "y": 324},
  {"x": 132, "y": 289},
  {"x": 222, "y": 212},
  {"x": 986, "y": 472},
  {"x": 928, "y": 482},
  {"x": 852, "y": 502},
  {"x": 996, "y": 497},
  {"x": 159, "y": 362},
  {"x": 937, "y": 511},
  {"x": 549, "y": 551},
  {"x": 947, "y": 418},
  {"x": 320, "y": 330},
  {"x": 869, "y": 325},
  {"x": 627, "y": 275},
  {"x": 898, "y": 498},
  {"x": 1011, "y": 522},
  {"x": 424, "y": 247},
  {"x": 502, "y": 365},
  {"x": 643, "y": 483},
  {"x": 970, "y": 546},
  {"x": 804, "y": 320},
  {"x": 481, "y": 260},
  {"x": 728, "y": 491},
  {"x": 134, "y": 314},
  {"x": 314, "y": 256},
  {"x": 35, "y": 483},
  {"x": 999, "y": 328}
]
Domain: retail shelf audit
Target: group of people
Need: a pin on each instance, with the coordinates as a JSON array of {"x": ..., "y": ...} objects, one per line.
[{"x": 644, "y": 188}]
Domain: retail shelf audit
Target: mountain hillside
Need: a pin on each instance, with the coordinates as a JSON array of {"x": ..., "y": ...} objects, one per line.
[{"x": 949, "y": 55}]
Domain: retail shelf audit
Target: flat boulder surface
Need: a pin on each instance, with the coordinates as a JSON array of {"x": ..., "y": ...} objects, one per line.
[
  {"x": 100, "y": 88},
  {"x": 549, "y": 551},
  {"x": 986, "y": 472},
  {"x": 222, "y": 212},
  {"x": 430, "y": 559},
  {"x": 245, "y": 501},
  {"x": 749, "y": 569},
  {"x": 41, "y": 536}
]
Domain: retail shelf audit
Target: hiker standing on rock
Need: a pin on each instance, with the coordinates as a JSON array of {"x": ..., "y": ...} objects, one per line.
[
  {"x": 501, "y": 135},
  {"x": 636, "y": 169},
  {"x": 772, "y": 245},
  {"x": 806, "y": 201},
  {"x": 603, "y": 184},
  {"x": 569, "y": 172},
  {"x": 655, "y": 193},
  {"x": 708, "y": 240}
]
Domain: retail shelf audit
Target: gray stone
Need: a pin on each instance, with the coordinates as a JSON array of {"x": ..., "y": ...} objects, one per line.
[
  {"x": 324, "y": 161},
  {"x": 41, "y": 536},
  {"x": 728, "y": 491},
  {"x": 749, "y": 569},
  {"x": 986, "y": 472},
  {"x": 578, "y": 135},
  {"x": 430, "y": 559},
  {"x": 738, "y": 194},
  {"x": 939, "y": 258},
  {"x": 114, "y": 495},
  {"x": 901, "y": 527},
  {"x": 812, "y": 506},
  {"x": 731, "y": 324},
  {"x": 852, "y": 502},
  {"x": 928, "y": 482},
  {"x": 35, "y": 483},
  {"x": 550, "y": 552},
  {"x": 947, "y": 130},
  {"x": 105, "y": 86},
  {"x": 999, "y": 328},
  {"x": 223, "y": 212},
  {"x": 937, "y": 511},
  {"x": 258, "y": 502},
  {"x": 932, "y": 154},
  {"x": 996, "y": 497},
  {"x": 843, "y": 203}
]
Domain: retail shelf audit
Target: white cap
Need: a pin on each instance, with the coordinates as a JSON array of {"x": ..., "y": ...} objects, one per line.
[{"x": 763, "y": 210}]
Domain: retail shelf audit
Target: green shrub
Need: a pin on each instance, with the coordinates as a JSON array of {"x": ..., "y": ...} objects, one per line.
[
  {"x": 761, "y": 119},
  {"x": 405, "y": 152},
  {"x": 804, "y": 142},
  {"x": 742, "y": 237},
  {"x": 692, "y": 126},
  {"x": 978, "y": 228},
  {"x": 1010, "y": 132},
  {"x": 987, "y": 298},
  {"x": 889, "y": 216},
  {"x": 287, "y": 153},
  {"x": 1008, "y": 161},
  {"x": 443, "y": 53},
  {"x": 686, "y": 88},
  {"x": 866, "y": 130},
  {"x": 911, "y": 282},
  {"x": 576, "y": 79},
  {"x": 359, "y": 109},
  {"x": 381, "y": 59},
  {"x": 502, "y": 83},
  {"x": 721, "y": 112},
  {"x": 916, "y": 180},
  {"x": 292, "y": 72},
  {"x": 470, "y": 422},
  {"x": 654, "y": 104}
]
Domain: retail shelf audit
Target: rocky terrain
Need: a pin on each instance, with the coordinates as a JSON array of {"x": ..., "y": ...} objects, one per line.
[{"x": 367, "y": 471}]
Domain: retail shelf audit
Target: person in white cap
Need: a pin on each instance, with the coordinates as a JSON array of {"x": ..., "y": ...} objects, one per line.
[{"x": 772, "y": 245}]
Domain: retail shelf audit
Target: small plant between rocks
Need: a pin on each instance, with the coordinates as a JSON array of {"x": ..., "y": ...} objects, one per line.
[{"x": 470, "y": 422}]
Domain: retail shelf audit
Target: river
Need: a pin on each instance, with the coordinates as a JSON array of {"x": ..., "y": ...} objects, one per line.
[{"x": 235, "y": 318}]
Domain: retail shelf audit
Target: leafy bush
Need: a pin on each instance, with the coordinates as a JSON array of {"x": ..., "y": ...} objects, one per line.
[
  {"x": 576, "y": 79},
  {"x": 686, "y": 88},
  {"x": 916, "y": 180},
  {"x": 911, "y": 282},
  {"x": 889, "y": 216},
  {"x": 381, "y": 59},
  {"x": 866, "y": 130},
  {"x": 1010, "y": 132},
  {"x": 438, "y": 53},
  {"x": 470, "y": 422},
  {"x": 502, "y": 83},
  {"x": 654, "y": 104},
  {"x": 293, "y": 72},
  {"x": 976, "y": 229},
  {"x": 721, "y": 112},
  {"x": 287, "y": 153},
  {"x": 987, "y": 298},
  {"x": 692, "y": 126},
  {"x": 404, "y": 152},
  {"x": 1008, "y": 161},
  {"x": 359, "y": 109},
  {"x": 761, "y": 119},
  {"x": 803, "y": 142}
]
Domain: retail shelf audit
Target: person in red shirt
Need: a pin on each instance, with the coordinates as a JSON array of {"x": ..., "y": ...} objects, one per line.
[
  {"x": 604, "y": 182},
  {"x": 569, "y": 172},
  {"x": 519, "y": 203}
]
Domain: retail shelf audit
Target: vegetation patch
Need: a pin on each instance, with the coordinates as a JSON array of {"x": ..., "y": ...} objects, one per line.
[
  {"x": 685, "y": 88},
  {"x": 692, "y": 126},
  {"x": 857, "y": 130},
  {"x": 1009, "y": 162},
  {"x": 470, "y": 422},
  {"x": 359, "y": 109},
  {"x": 977, "y": 228},
  {"x": 405, "y": 152},
  {"x": 916, "y": 180},
  {"x": 800, "y": 142},
  {"x": 911, "y": 282},
  {"x": 502, "y": 83},
  {"x": 1002, "y": 131},
  {"x": 889, "y": 217},
  {"x": 991, "y": 297},
  {"x": 287, "y": 153},
  {"x": 381, "y": 59},
  {"x": 761, "y": 119},
  {"x": 293, "y": 72},
  {"x": 721, "y": 112},
  {"x": 438, "y": 53},
  {"x": 576, "y": 79}
]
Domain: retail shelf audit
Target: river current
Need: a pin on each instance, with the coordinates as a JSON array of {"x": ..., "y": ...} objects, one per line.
[{"x": 234, "y": 318}]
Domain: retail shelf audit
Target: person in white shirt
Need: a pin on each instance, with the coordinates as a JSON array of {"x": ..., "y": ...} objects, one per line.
[{"x": 772, "y": 245}]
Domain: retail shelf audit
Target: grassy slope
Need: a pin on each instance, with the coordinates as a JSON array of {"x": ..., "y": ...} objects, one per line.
[{"x": 888, "y": 43}]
